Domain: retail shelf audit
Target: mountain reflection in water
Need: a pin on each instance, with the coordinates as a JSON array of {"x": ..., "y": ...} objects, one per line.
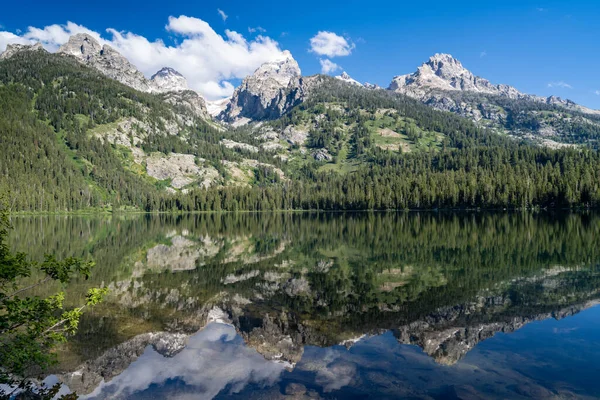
[{"x": 332, "y": 305}]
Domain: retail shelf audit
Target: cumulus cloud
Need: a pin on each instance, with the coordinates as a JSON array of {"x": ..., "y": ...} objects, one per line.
[
  {"x": 10, "y": 38},
  {"x": 330, "y": 44},
  {"x": 328, "y": 66},
  {"x": 222, "y": 14},
  {"x": 207, "y": 59},
  {"x": 560, "y": 84}
]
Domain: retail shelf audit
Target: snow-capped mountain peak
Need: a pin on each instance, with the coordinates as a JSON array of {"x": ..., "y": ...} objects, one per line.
[{"x": 169, "y": 80}]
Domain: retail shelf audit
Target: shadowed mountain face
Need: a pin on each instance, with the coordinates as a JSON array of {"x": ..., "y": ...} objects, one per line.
[{"x": 287, "y": 282}]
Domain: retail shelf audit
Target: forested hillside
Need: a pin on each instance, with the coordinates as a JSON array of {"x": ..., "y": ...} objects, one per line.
[
  {"x": 553, "y": 124},
  {"x": 73, "y": 139}
]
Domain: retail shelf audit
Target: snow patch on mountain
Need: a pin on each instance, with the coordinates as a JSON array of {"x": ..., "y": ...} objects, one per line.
[{"x": 348, "y": 79}]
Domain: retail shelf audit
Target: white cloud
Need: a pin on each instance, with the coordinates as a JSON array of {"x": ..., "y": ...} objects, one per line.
[
  {"x": 328, "y": 66},
  {"x": 213, "y": 362},
  {"x": 208, "y": 60},
  {"x": 597, "y": 92},
  {"x": 222, "y": 14},
  {"x": 330, "y": 44},
  {"x": 483, "y": 54},
  {"x": 257, "y": 29},
  {"x": 10, "y": 38},
  {"x": 560, "y": 84}
]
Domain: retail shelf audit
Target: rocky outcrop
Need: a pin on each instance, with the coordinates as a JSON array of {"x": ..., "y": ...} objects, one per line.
[
  {"x": 230, "y": 144},
  {"x": 105, "y": 59},
  {"x": 322, "y": 155},
  {"x": 188, "y": 99},
  {"x": 273, "y": 89},
  {"x": 372, "y": 86},
  {"x": 13, "y": 49},
  {"x": 181, "y": 170}
]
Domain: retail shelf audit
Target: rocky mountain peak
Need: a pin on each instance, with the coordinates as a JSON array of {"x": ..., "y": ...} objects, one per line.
[
  {"x": 442, "y": 72},
  {"x": 280, "y": 71},
  {"x": 81, "y": 46},
  {"x": 87, "y": 50},
  {"x": 166, "y": 71},
  {"x": 169, "y": 80},
  {"x": 13, "y": 49},
  {"x": 446, "y": 67},
  {"x": 266, "y": 93},
  {"x": 347, "y": 78}
]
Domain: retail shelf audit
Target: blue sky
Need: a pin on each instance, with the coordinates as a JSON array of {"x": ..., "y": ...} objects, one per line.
[{"x": 528, "y": 44}]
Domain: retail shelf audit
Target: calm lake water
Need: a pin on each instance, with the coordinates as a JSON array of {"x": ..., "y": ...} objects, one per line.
[{"x": 409, "y": 305}]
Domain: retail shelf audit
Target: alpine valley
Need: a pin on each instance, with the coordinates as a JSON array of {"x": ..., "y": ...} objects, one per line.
[{"x": 84, "y": 129}]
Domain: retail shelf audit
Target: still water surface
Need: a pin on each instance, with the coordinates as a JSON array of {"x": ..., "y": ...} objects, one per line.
[{"x": 409, "y": 305}]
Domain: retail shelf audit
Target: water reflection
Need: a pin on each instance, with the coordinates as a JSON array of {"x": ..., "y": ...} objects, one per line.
[
  {"x": 213, "y": 359},
  {"x": 323, "y": 305}
]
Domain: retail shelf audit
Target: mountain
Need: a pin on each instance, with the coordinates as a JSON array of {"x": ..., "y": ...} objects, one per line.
[
  {"x": 443, "y": 72},
  {"x": 175, "y": 90},
  {"x": 106, "y": 141},
  {"x": 169, "y": 80},
  {"x": 13, "y": 49},
  {"x": 105, "y": 59},
  {"x": 112, "y": 138},
  {"x": 344, "y": 77},
  {"x": 87, "y": 50},
  {"x": 268, "y": 93},
  {"x": 442, "y": 83},
  {"x": 445, "y": 84}
]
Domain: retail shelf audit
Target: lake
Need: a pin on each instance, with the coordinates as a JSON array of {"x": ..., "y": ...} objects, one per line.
[{"x": 299, "y": 305}]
